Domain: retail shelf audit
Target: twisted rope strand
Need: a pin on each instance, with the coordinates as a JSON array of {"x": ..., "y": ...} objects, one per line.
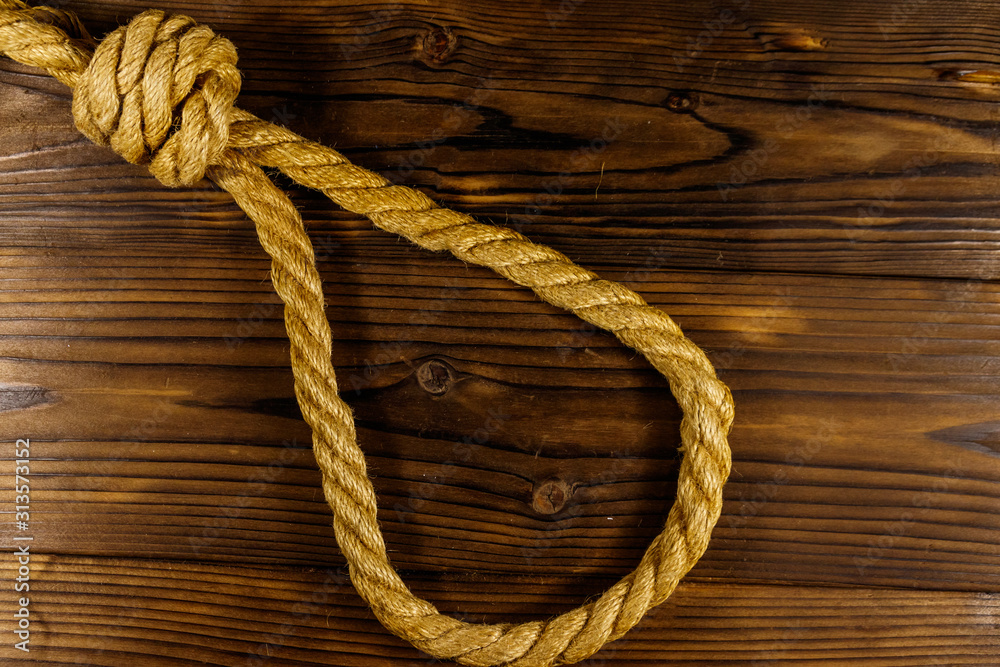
[
  {"x": 159, "y": 72},
  {"x": 27, "y": 38}
]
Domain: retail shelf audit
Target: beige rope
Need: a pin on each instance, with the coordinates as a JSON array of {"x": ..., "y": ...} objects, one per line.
[{"x": 160, "y": 92}]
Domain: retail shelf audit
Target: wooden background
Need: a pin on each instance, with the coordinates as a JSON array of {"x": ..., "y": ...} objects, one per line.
[{"x": 809, "y": 188}]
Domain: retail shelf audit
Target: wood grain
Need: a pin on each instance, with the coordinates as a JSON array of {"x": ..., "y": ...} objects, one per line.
[
  {"x": 808, "y": 189},
  {"x": 114, "y": 612},
  {"x": 904, "y": 184},
  {"x": 864, "y": 410}
]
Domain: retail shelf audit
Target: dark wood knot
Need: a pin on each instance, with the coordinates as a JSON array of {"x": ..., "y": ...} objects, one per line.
[
  {"x": 435, "y": 377},
  {"x": 681, "y": 102},
  {"x": 550, "y": 496},
  {"x": 439, "y": 44}
]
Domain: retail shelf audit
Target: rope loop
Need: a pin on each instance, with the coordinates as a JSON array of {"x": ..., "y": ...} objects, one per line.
[{"x": 160, "y": 92}]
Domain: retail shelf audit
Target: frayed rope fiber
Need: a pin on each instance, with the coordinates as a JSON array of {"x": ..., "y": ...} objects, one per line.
[{"x": 160, "y": 91}]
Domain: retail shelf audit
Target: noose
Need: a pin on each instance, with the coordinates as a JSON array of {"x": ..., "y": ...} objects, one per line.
[{"x": 160, "y": 92}]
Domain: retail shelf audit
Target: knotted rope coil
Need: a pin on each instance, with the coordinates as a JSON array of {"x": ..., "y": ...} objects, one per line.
[{"x": 160, "y": 91}]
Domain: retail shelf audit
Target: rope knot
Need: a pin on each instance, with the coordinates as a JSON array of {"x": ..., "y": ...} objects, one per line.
[{"x": 160, "y": 91}]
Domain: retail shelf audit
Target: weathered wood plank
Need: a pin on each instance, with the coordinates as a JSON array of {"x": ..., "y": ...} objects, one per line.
[
  {"x": 797, "y": 139},
  {"x": 119, "y": 612},
  {"x": 810, "y": 190},
  {"x": 865, "y": 444}
]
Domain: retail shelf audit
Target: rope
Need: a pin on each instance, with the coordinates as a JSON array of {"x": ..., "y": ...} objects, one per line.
[{"x": 160, "y": 91}]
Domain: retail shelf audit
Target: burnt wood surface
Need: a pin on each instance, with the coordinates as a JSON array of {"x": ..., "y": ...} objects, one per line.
[{"x": 809, "y": 189}]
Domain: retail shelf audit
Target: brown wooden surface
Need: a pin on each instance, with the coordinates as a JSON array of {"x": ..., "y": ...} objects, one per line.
[{"x": 812, "y": 193}]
